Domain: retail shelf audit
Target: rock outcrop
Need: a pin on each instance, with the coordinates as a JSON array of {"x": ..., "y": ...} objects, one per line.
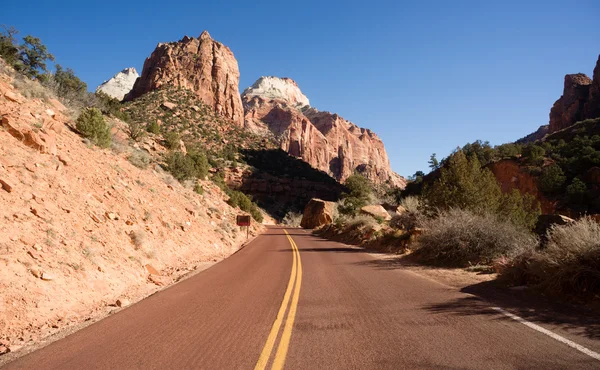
[
  {"x": 202, "y": 65},
  {"x": 512, "y": 175},
  {"x": 325, "y": 140},
  {"x": 377, "y": 211},
  {"x": 580, "y": 100},
  {"x": 317, "y": 213},
  {"x": 592, "y": 106},
  {"x": 120, "y": 84}
]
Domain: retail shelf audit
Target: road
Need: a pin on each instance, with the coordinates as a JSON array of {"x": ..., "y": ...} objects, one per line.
[{"x": 290, "y": 299}]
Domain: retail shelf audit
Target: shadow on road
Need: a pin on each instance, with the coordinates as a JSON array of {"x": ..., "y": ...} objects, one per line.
[{"x": 528, "y": 303}]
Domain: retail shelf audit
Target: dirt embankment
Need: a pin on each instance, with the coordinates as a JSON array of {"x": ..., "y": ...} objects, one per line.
[{"x": 82, "y": 229}]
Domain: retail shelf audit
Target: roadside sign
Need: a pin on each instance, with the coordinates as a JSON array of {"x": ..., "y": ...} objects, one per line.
[{"x": 243, "y": 220}]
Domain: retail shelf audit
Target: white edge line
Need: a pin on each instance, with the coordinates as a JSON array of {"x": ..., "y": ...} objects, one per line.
[{"x": 552, "y": 335}]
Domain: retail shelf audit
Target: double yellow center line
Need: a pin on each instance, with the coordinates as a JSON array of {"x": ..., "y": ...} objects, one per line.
[{"x": 286, "y": 336}]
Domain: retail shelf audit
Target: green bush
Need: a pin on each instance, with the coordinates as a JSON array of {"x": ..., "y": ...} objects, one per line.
[
  {"x": 552, "y": 179},
  {"x": 172, "y": 140},
  {"x": 153, "y": 128},
  {"x": 239, "y": 199},
  {"x": 464, "y": 184},
  {"x": 200, "y": 162},
  {"x": 198, "y": 189},
  {"x": 360, "y": 192},
  {"x": 181, "y": 166},
  {"x": 577, "y": 191},
  {"x": 462, "y": 238},
  {"x": 92, "y": 125}
]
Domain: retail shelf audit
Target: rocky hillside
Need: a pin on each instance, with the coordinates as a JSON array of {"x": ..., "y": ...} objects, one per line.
[
  {"x": 86, "y": 229},
  {"x": 325, "y": 140},
  {"x": 580, "y": 100},
  {"x": 202, "y": 65},
  {"x": 120, "y": 84},
  {"x": 272, "y": 107}
]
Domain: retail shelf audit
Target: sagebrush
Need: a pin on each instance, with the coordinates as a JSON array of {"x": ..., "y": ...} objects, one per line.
[{"x": 462, "y": 238}]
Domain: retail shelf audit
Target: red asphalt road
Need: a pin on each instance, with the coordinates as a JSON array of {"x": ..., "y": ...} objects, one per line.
[{"x": 353, "y": 312}]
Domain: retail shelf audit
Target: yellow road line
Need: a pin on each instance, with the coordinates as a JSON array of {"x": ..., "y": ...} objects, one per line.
[
  {"x": 268, "y": 348},
  {"x": 286, "y": 336}
]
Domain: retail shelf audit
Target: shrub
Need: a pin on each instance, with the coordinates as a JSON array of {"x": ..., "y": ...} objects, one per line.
[
  {"x": 407, "y": 220},
  {"x": 200, "y": 162},
  {"x": 181, "y": 166},
  {"x": 239, "y": 199},
  {"x": 153, "y": 128},
  {"x": 461, "y": 238},
  {"x": 577, "y": 191},
  {"x": 411, "y": 203},
  {"x": 464, "y": 184},
  {"x": 172, "y": 140},
  {"x": 552, "y": 180},
  {"x": 292, "y": 219},
  {"x": 139, "y": 158},
  {"x": 198, "y": 189},
  {"x": 568, "y": 265},
  {"x": 360, "y": 222},
  {"x": 92, "y": 126},
  {"x": 137, "y": 130},
  {"x": 360, "y": 191}
]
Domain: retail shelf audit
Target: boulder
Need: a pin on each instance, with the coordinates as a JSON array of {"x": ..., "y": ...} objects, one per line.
[
  {"x": 546, "y": 221},
  {"x": 317, "y": 213},
  {"x": 377, "y": 211}
]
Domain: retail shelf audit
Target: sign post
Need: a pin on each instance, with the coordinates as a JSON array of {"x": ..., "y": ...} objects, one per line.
[{"x": 244, "y": 220}]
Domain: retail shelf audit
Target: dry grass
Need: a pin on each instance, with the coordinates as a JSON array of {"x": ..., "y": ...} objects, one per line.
[
  {"x": 569, "y": 265},
  {"x": 292, "y": 219},
  {"x": 461, "y": 238},
  {"x": 138, "y": 237},
  {"x": 411, "y": 203},
  {"x": 31, "y": 89}
]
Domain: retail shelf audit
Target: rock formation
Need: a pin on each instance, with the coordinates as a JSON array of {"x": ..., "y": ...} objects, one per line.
[
  {"x": 592, "y": 106},
  {"x": 325, "y": 140},
  {"x": 202, "y": 65},
  {"x": 580, "y": 100},
  {"x": 512, "y": 175},
  {"x": 317, "y": 213},
  {"x": 278, "y": 88},
  {"x": 120, "y": 84}
]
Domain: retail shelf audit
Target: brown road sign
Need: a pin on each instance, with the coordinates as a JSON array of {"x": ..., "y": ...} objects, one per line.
[{"x": 243, "y": 220}]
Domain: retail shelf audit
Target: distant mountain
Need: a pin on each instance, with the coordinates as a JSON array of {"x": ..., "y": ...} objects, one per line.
[{"x": 120, "y": 84}]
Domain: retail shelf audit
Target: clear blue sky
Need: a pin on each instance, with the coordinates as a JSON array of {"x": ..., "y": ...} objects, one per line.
[{"x": 426, "y": 76}]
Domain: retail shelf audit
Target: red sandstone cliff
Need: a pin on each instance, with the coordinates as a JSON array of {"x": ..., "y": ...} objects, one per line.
[
  {"x": 580, "y": 100},
  {"x": 325, "y": 140},
  {"x": 202, "y": 65}
]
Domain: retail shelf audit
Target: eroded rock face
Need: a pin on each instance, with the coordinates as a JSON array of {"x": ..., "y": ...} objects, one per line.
[
  {"x": 120, "y": 84},
  {"x": 570, "y": 107},
  {"x": 580, "y": 100},
  {"x": 511, "y": 175},
  {"x": 317, "y": 213},
  {"x": 592, "y": 106},
  {"x": 325, "y": 140},
  {"x": 202, "y": 65}
]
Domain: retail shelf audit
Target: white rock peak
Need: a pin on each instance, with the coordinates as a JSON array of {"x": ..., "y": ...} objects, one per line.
[
  {"x": 121, "y": 83},
  {"x": 271, "y": 87}
]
